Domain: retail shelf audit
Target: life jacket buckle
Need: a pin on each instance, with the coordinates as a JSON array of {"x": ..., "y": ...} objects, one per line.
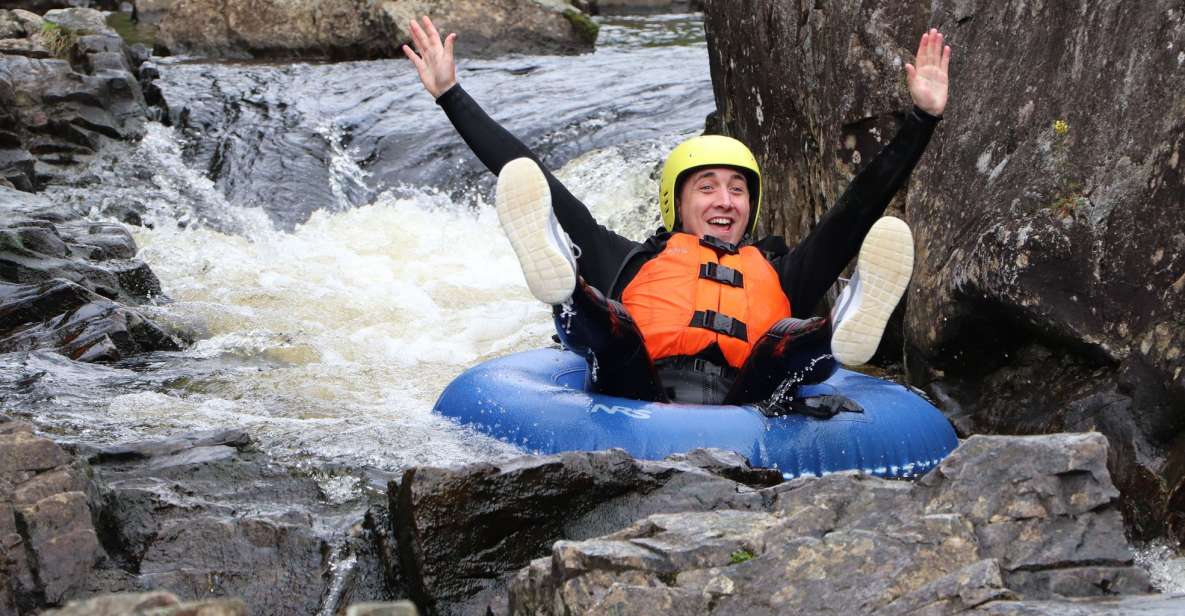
[
  {"x": 718, "y": 244},
  {"x": 722, "y": 274},
  {"x": 720, "y": 323}
]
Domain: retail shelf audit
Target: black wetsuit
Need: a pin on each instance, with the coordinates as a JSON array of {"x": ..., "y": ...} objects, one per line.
[{"x": 608, "y": 261}]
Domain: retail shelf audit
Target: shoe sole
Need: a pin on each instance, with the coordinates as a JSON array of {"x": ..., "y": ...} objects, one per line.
[
  {"x": 885, "y": 265},
  {"x": 523, "y": 202}
]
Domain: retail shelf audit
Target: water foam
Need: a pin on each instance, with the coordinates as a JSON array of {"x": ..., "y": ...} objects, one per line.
[{"x": 333, "y": 341}]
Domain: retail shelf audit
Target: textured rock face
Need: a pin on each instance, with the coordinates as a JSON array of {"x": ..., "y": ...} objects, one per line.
[
  {"x": 463, "y": 531},
  {"x": 203, "y": 516},
  {"x": 67, "y": 82},
  {"x": 1002, "y": 518},
  {"x": 155, "y": 603},
  {"x": 346, "y": 29},
  {"x": 48, "y": 543},
  {"x": 1049, "y": 247},
  {"x": 191, "y": 516},
  {"x": 1061, "y": 244}
]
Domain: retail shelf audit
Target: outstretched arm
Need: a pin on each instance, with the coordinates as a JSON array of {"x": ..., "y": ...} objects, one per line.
[
  {"x": 814, "y": 265},
  {"x": 602, "y": 250}
]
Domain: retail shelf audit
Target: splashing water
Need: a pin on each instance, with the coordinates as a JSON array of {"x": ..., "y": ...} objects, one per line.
[{"x": 1165, "y": 566}]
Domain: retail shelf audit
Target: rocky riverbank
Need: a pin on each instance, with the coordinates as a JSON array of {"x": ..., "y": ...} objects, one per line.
[
  {"x": 1045, "y": 210},
  {"x": 1005, "y": 525}
]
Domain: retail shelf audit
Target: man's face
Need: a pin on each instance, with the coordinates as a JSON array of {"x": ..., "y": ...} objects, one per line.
[{"x": 715, "y": 201}]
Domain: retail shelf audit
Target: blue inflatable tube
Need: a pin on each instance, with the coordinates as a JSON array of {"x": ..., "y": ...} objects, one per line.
[{"x": 537, "y": 400}]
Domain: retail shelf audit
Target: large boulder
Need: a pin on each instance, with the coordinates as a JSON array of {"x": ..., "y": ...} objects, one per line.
[
  {"x": 204, "y": 516},
  {"x": 355, "y": 29},
  {"x": 207, "y": 515},
  {"x": 1001, "y": 519},
  {"x": 1047, "y": 293},
  {"x": 463, "y": 531}
]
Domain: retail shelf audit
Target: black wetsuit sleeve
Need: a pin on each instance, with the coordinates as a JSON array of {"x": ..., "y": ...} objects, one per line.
[
  {"x": 602, "y": 251},
  {"x": 814, "y": 264}
]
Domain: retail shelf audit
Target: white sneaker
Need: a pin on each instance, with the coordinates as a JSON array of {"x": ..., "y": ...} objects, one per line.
[
  {"x": 882, "y": 275},
  {"x": 544, "y": 251}
]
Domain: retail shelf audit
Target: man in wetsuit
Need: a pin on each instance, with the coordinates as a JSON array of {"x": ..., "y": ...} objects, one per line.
[{"x": 700, "y": 312}]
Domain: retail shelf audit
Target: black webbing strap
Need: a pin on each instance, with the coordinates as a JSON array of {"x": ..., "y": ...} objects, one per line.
[
  {"x": 720, "y": 323},
  {"x": 722, "y": 274},
  {"x": 696, "y": 364},
  {"x": 718, "y": 244}
]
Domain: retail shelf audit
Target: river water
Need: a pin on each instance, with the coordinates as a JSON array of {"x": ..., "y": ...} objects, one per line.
[{"x": 331, "y": 240}]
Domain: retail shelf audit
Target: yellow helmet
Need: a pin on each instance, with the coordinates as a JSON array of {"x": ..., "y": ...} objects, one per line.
[{"x": 707, "y": 151}]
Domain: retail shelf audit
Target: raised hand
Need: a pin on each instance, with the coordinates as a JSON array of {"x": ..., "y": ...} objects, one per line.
[
  {"x": 433, "y": 59},
  {"x": 928, "y": 80}
]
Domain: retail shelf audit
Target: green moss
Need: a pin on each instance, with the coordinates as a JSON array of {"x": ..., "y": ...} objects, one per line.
[
  {"x": 740, "y": 556},
  {"x": 58, "y": 40},
  {"x": 585, "y": 27},
  {"x": 131, "y": 32}
]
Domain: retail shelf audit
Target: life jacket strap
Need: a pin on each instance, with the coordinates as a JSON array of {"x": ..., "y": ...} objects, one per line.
[
  {"x": 720, "y": 323},
  {"x": 722, "y": 274},
  {"x": 718, "y": 245},
  {"x": 696, "y": 364}
]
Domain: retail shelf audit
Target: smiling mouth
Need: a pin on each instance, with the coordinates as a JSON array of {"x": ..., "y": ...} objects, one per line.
[{"x": 722, "y": 223}]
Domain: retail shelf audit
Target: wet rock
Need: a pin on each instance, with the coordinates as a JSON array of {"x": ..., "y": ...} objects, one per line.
[
  {"x": 72, "y": 275},
  {"x": 378, "y": 574},
  {"x": 1001, "y": 519},
  {"x": 97, "y": 256},
  {"x": 142, "y": 450},
  {"x": 206, "y": 515},
  {"x": 1051, "y": 303},
  {"x": 66, "y": 84},
  {"x": 353, "y": 29},
  {"x": 97, "y": 331},
  {"x": 463, "y": 531}
]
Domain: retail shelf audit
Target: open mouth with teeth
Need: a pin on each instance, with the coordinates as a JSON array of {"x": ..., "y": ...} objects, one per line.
[{"x": 721, "y": 223}]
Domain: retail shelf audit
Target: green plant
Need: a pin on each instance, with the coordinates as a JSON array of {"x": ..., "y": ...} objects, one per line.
[
  {"x": 58, "y": 40},
  {"x": 585, "y": 27},
  {"x": 740, "y": 556}
]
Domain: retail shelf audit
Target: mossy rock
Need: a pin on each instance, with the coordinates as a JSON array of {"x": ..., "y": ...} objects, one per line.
[
  {"x": 585, "y": 27},
  {"x": 58, "y": 40}
]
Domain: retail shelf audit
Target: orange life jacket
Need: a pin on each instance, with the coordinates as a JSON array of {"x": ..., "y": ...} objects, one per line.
[{"x": 693, "y": 295}]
